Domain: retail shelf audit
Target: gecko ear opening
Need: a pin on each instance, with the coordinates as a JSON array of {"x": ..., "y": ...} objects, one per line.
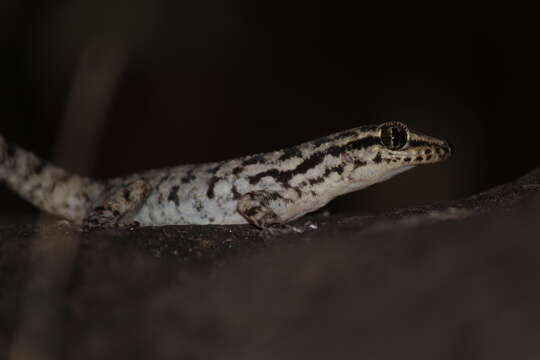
[{"x": 394, "y": 135}]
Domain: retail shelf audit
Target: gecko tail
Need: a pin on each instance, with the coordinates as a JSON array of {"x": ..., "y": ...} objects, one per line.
[{"x": 46, "y": 186}]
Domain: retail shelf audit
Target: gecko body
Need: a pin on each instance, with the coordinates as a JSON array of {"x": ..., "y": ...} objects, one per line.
[{"x": 264, "y": 189}]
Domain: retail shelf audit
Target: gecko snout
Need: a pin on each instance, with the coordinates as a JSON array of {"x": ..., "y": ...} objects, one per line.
[{"x": 444, "y": 150}]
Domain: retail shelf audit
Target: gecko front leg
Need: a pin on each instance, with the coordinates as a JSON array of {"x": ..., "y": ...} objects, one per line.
[
  {"x": 116, "y": 206},
  {"x": 258, "y": 208}
]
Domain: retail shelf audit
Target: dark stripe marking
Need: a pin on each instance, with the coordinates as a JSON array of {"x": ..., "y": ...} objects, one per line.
[
  {"x": 236, "y": 194},
  {"x": 162, "y": 180},
  {"x": 272, "y": 196},
  {"x": 415, "y": 143},
  {"x": 338, "y": 169},
  {"x": 126, "y": 194},
  {"x": 290, "y": 153},
  {"x": 189, "y": 176},
  {"x": 254, "y": 159},
  {"x": 317, "y": 180},
  {"x": 320, "y": 141},
  {"x": 281, "y": 176},
  {"x": 173, "y": 195},
  {"x": 363, "y": 143},
  {"x": 327, "y": 173},
  {"x": 211, "y": 184},
  {"x": 237, "y": 170},
  {"x": 315, "y": 159},
  {"x": 359, "y": 163},
  {"x": 215, "y": 169}
]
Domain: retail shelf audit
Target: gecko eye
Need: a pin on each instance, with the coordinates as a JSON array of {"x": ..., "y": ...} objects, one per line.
[{"x": 394, "y": 136}]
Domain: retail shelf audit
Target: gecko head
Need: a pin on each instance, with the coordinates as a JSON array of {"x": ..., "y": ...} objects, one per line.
[
  {"x": 392, "y": 148},
  {"x": 400, "y": 145}
]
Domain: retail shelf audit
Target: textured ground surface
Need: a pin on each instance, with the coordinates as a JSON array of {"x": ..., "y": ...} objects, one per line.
[{"x": 449, "y": 281}]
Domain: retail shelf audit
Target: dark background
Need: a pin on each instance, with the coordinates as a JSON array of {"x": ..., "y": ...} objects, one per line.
[{"x": 209, "y": 80}]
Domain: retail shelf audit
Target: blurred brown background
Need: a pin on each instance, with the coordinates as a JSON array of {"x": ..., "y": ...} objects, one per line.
[{"x": 111, "y": 87}]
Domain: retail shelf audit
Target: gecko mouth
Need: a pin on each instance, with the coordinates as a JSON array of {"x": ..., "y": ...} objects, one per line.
[
  {"x": 445, "y": 151},
  {"x": 431, "y": 154},
  {"x": 439, "y": 153}
]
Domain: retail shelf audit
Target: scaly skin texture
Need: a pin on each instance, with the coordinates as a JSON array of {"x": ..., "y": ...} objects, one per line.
[{"x": 265, "y": 190}]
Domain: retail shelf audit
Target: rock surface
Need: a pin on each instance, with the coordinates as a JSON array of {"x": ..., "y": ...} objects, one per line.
[{"x": 454, "y": 280}]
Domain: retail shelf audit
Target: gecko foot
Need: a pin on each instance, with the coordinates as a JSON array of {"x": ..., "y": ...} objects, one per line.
[
  {"x": 287, "y": 229},
  {"x": 278, "y": 229}
]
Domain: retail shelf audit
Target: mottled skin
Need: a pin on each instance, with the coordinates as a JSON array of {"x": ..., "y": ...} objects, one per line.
[{"x": 264, "y": 189}]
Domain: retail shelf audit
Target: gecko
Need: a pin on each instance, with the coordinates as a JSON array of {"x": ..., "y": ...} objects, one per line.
[{"x": 266, "y": 190}]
